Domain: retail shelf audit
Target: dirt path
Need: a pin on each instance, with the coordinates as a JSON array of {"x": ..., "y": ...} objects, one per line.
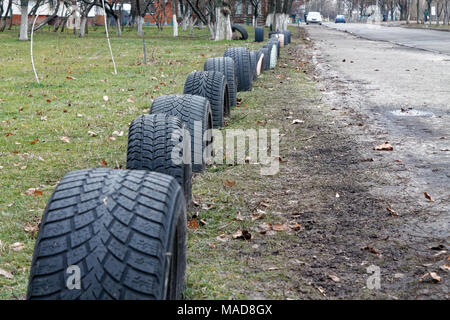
[{"x": 330, "y": 197}]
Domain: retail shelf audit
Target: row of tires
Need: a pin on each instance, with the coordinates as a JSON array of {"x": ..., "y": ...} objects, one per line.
[{"x": 122, "y": 234}]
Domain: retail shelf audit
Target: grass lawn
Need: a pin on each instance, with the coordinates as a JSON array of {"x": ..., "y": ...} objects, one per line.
[{"x": 64, "y": 123}]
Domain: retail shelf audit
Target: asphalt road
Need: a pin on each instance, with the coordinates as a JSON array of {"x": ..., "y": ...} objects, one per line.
[
  {"x": 402, "y": 95},
  {"x": 435, "y": 41}
]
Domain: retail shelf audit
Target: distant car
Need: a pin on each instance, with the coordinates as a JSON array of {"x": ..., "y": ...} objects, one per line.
[
  {"x": 340, "y": 19},
  {"x": 314, "y": 17}
]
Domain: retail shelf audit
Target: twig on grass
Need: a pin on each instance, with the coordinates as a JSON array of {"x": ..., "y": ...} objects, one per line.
[
  {"x": 31, "y": 50},
  {"x": 107, "y": 37}
]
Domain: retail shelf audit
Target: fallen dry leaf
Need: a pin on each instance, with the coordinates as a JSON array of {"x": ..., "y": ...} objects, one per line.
[
  {"x": 131, "y": 100},
  {"x": 203, "y": 222},
  {"x": 33, "y": 192},
  {"x": 65, "y": 139},
  {"x": 32, "y": 228},
  {"x": 430, "y": 277},
  {"x": 334, "y": 277},
  {"x": 279, "y": 227},
  {"x": 238, "y": 217},
  {"x": 193, "y": 224},
  {"x": 117, "y": 133},
  {"x": 71, "y": 78},
  {"x": 295, "y": 226},
  {"x": 6, "y": 274},
  {"x": 392, "y": 212},
  {"x": 229, "y": 183},
  {"x": 17, "y": 246},
  {"x": 258, "y": 215},
  {"x": 92, "y": 133},
  {"x": 242, "y": 234},
  {"x": 103, "y": 163},
  {"x": 372, "y": 250},
  {"x": 34, "y": 141},
  {"x": 384, "y": 147},
  {"x": 295, "y": 121},
  {"x": 428, "y": 196},
  {"x": 445, "y": 267},
  {"x": 222, "y": 237}
]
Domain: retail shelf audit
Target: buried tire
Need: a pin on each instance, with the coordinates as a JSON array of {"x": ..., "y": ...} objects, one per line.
[
  {"x": 159, "y": 143},
  {"x": 213, "y": 86},
  {"x": 195, "y": 111},
  {"x": 116, "y": 230},
  {"x": 226, "y": 66},
  {"x": 241, "y": 58}
]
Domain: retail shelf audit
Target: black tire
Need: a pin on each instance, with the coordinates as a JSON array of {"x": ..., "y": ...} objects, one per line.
[
  {"x": 213, "y": 86},
  {"x": 289, "y": 35},
  {"x": 159, "y": 143},
  {"x": 285, "y": 37},
  {"x": 253, "y": 63},
  {"x": 241, "y": 30},
  {"x": 118, "y": 227},
  {"x": 226, "y": 66},
  {"x": 266, "y": 59},
  {"x": 241, "y": 58},
  {"x": 269, "y": 47},
  {"x": 195, "y": 111},
  {"x": 259, "y": 34}
]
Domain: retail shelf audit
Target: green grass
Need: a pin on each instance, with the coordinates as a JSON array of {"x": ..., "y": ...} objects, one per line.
[{"x": 61, "y": 107}]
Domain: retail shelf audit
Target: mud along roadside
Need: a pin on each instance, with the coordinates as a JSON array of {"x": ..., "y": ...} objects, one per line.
[{"x": 384, "y": 105}]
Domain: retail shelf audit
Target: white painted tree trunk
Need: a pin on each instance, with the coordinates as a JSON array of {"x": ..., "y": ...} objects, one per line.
[
  {"x": 184, "y": 23},
  {"x": 23, "y": 23},
  {"x": 83, "y": 26},
  {"x": 269, "y": 19},
  {"x": 223, "y": 25},
  {"x": 140, "y": 23},
  {"x": 175, "y": 25},
  {"x": 118, "y": 27},
  {"x": 253, "y": 21}
]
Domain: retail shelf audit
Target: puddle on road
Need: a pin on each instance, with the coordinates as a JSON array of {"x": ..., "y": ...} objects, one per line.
[{"x": 411, "y": 113}]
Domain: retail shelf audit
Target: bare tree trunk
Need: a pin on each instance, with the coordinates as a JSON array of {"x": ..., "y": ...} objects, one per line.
[
  {"x": 3, "y": 19},
  {"x": 140, "y": 23},
  {"x": 408, "y": 16},
  {"x": 223, "y": 24},
  {"x": 118, "y": 27},
  {"x": 191, "y": 25},
  {"x": 23, "y": 20},
  {"x": 446, "y": 13}
]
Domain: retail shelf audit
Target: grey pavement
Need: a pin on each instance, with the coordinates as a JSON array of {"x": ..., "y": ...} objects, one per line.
[{"x": 431, "y": 40}]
